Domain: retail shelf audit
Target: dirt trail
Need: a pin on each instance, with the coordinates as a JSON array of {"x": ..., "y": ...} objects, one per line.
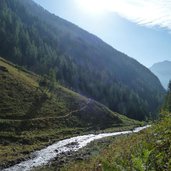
[{"x": 57, "y": 117}]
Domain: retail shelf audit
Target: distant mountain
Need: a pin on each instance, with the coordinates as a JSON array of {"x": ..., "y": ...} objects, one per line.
[
  {"x": 32, "y": 37},
  {"x": 163, "y": 71}
]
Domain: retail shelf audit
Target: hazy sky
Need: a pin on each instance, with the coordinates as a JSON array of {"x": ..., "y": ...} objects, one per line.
[{"x": 139, "y": 28}]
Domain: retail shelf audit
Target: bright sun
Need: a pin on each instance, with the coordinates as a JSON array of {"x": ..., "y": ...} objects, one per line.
[{"x": 92, "y": 6}]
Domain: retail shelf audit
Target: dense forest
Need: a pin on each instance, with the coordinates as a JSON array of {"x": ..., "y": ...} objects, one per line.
[{"x": 37, "y": 40}]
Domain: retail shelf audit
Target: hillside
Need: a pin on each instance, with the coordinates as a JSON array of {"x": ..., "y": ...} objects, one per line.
[
  {"x": 163, "y": 71},
  {"x": 32, "y": 116},
  {"x": 32, "y": 37}
]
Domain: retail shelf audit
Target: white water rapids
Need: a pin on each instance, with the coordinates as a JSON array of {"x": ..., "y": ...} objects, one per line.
[{"x": 44, "y": 156}]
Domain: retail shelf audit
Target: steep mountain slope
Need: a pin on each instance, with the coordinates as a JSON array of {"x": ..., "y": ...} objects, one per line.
[
  {"x": 32, "y": 117},
  {"x": 163, "y": 71},
  {"x": 32, "y": 37}
]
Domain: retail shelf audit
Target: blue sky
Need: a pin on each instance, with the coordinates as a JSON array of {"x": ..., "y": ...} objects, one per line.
[{"x": 140, "y": 29}]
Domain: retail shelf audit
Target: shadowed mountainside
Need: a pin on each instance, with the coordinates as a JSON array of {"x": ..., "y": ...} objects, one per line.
[{"x": 32, "y": 37}]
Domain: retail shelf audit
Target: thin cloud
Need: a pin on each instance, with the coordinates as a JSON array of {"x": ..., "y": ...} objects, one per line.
[{"x": 143, "y": 12}]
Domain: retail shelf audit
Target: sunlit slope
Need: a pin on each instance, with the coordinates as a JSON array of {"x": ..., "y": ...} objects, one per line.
[
  {"x": 31, "y": 117},
  {"x": 23, "y": 99}
]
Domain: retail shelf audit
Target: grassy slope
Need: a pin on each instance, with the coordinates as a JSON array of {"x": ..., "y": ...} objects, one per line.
[
  {"x": 31, "y": 119},
  {"x": 148, "y": 150}
]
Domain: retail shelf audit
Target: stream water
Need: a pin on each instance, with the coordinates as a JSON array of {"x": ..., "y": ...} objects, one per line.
[{"x": 44, "y": 156}]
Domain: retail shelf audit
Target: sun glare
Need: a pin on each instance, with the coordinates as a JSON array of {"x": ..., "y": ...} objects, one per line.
[{"x": 92, "y": 6}]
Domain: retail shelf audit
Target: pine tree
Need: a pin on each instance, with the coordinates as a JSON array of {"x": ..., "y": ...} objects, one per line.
[
  {"x": 169, "y": 97},
  {"x": 167, "y": 103},
  {"x": 169, "y": 86},
  {"x": 52, "y": 79}
]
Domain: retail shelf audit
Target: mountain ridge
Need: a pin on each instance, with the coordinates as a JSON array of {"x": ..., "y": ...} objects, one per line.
[
  {"x": 42, "y": 42},
  {"x": 163, "y": 71}
]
